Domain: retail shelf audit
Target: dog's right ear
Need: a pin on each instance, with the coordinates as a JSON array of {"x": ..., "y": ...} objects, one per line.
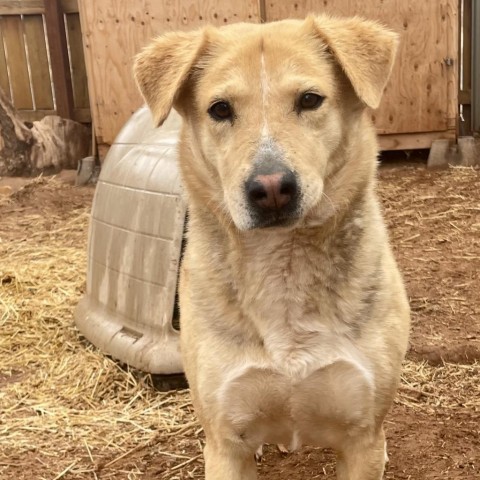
[{"x": 164, "y": 66}]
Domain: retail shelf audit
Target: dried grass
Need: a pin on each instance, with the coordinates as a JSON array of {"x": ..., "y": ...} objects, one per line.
[
  {"x": 68, "y": 411},
  {"x": 66, "y": 408}
]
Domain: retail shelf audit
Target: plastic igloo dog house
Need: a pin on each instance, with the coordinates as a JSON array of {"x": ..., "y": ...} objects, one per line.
[{"x": 134, "y": 248}]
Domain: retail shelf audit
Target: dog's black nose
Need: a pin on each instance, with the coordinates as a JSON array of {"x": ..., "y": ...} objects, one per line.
[{"x": 273, "y": 191}]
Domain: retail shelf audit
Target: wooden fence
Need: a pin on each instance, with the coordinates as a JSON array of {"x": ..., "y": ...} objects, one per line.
[
  {"x": 42, "y": 66},
  {"x": 421, "y": 100}
]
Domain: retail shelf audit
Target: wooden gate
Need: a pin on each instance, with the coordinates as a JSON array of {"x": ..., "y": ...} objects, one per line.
[{"x": 42, "y": 65}]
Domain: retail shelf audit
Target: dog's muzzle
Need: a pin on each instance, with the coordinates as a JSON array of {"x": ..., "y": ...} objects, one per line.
[{"x": 273, "y": 194}]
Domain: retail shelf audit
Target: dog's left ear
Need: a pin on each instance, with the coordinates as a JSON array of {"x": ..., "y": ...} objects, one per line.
[
  {"x": 364, "y": 49},
  {"x": 164, "y": 66}
]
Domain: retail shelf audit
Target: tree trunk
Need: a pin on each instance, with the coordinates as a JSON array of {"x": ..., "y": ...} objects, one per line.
[
  {"x": 15, "y": 140},
  {"x": 45, "y": 146}
]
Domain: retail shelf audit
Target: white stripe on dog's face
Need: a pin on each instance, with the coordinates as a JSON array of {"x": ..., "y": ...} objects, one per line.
[{"x": 264, "y": 85}]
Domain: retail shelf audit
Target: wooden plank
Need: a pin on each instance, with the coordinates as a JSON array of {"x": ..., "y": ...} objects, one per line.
[
  {"x": 21, "y": 7},
  {"x": 450, "y": 12},
  {"x": 38, "y": 59},
  {"x": 102, "y": 151},
  {"x": 467, "y": 45},
  {"x": 82, "y": 115},
  {"x": 465, "y": 126},
  {"x": 413, "y": 141},
  {"x": 77, "y": 61},
  {"x": 57, "y": 42},
  {"x": 34, "y": 115},
  {"x": 465, "y": 97},
  {"x": 476, "y": 68},
  {"x": 4, "y": 80},
  {"x": 420, "y": 95},
  {"x": 113, "y": 32},
  {"x": 17, "y": 61},
  {"x": 69, "y": 6},
  {"x": 34, "y": 7}
]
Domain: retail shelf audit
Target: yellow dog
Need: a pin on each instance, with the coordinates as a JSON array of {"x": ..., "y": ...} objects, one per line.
[{"x": 294, "y": 317}]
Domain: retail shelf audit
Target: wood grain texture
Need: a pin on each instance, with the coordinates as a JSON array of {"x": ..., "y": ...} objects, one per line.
[
  {"x": 34, "y": 115},
  {"x": 17, "y": 61},
  {"x": 77, "y": 61},
  {"x": 421, "y": 95},
  {"x": 413, "y": 141},
  {"x": 465, "y": 94},
  {"x": 114, "y": 31},
  {"x": 25, "y": 7},
  {"x": 451, "y": 12},
  {"x": 4, "y": 80},
  {"x": 28, "y": 73},
  {"x": 33, "y": 7},
  {"x": 82, "y": 115},
  {"x": 38, "y": 60},
  {"x": 69, "y": 6},
  {"x": 59, "y": 61}
]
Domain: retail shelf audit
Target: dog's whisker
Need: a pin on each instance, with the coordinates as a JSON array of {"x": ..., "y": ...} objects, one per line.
[{"x": 334, "y": 207}]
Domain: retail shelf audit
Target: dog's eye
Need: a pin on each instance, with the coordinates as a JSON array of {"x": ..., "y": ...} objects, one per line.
[
  {"x": 309, "y": 101},
  {"x": 220, "y": 111}
]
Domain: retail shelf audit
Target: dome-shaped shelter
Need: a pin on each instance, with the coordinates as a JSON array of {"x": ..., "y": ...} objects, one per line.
[{"x": 134, "y": 248}]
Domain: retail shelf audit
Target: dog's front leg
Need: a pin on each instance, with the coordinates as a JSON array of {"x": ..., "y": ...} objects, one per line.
[
  {"x": 227, "y": 461},
  {"x": 363, "y": 459}
]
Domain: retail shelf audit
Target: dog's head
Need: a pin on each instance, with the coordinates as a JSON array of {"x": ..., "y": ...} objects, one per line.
[{"x": 269, "y": 110}]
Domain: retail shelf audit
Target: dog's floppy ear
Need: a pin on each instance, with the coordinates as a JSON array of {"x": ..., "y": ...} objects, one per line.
[
  {"x": 364, "y": 49},
  {"x": 164, "y": 66}
]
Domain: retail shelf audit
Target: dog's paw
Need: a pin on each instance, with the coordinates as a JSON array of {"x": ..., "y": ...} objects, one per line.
[
  {"x": 386, "y": 454},
  {"x": 282, "y": 448}
]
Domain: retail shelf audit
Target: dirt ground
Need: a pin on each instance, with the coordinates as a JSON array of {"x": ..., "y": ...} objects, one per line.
[{"x": 71, "y": 412}]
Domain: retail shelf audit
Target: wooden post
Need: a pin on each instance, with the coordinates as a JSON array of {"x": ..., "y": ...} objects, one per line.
[
  {"x": 57, "y": 44},
  {"x": 476, "y": 67},
  {"x": 465, "y": 94}
]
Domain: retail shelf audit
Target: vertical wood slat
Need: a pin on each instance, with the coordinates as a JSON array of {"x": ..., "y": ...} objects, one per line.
[
  {"x": 467, "y": 45},
  {"x": 69, "y": 6},
  {"x": 451, "y": 73},
  {"x": 57, "y": 44},
  {"x": 4, "y": 81},
  {"x": 17, "y": 61},
  {"x": 476, "y": 66},
  {"x": 77, "y": 61},
  {"x": 465, "y": 127},
  {"x": 37, "y": 56}
]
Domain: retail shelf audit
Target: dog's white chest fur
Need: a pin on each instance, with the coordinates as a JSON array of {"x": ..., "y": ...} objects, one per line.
[
  {"x": 311, "y": 369},
  {"x": 301, "y": 310},
  {"x": 263, "y": 404}
]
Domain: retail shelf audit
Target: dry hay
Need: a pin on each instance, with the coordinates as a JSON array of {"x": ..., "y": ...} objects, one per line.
[
  {"x": 68, "y": 411},
  {"x": 435, "y": 222},
  {"x": 65, "y": 406}
]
